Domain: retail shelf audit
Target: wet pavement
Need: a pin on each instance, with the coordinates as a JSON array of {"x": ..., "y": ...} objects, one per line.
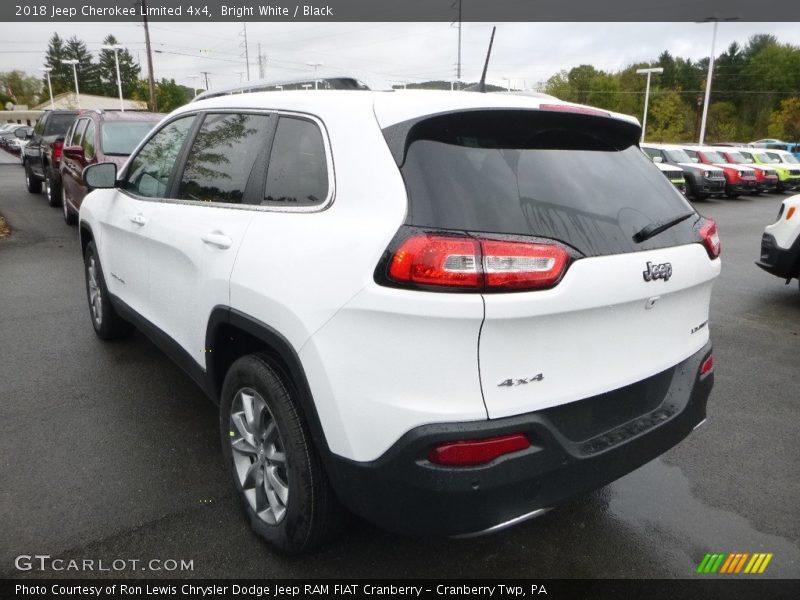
[{"x": 109, "y": 451}]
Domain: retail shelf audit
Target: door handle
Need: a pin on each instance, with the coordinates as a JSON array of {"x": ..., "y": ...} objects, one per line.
[
  {"x": 138, "y": 220},
  {"x": 217, "y": 239}
]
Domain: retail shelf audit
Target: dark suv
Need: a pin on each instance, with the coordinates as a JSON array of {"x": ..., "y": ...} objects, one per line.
[
  {"x": 43, "y": 153},
  {"x": 702, "y": 180},
  {"x": 98, "y": 136}
]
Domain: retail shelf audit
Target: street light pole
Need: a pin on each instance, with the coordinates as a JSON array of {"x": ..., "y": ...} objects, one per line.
[
  {"x": 648, "y": 72},
  {"x": 708, "y": 85},
  {"x": 116, "y": 48},
  {"x": 49, "y": 86},
  {"x": 316, "y": 65},
  {"x": 74, "y": 62}
]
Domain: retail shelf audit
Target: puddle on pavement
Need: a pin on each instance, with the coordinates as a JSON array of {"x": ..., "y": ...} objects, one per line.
[{"x": 656, "y": 502}]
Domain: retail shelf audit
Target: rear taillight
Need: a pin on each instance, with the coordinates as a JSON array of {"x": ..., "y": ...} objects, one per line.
[
  {"x": 476, "y": 264},
  {"x": 707, "y": 366},
  {"x": 710, "y": 237},
  {"x": 475, "y": 452},
  {"x": 57, "y": 148}
]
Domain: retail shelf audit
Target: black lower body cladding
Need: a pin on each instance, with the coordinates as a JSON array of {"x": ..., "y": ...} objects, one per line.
[
  {"x": 575, "y": 448},
  {"x": 781, "y": 262}
]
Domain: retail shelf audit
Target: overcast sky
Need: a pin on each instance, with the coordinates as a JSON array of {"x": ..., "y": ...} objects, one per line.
[{"x": 385, "y": 53}]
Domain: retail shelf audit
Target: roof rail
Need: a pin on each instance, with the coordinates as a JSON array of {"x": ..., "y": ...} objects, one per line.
[{"x": 271, "y": 85}]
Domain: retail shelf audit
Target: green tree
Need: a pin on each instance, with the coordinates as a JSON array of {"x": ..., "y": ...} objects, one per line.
[
  {"x": 60, "y": 74},
  {"x": 88, "y": 75},
  {"x": 667, "y": 119},
  {"x": 558, "y": 85},
  {"x": 722, "y": 123},
  {"x": 784, "y": 123},
  {"x": 169, "y": 95},
  {"x": 20, "y": 88},
  {"x": 107, "y": 71}
]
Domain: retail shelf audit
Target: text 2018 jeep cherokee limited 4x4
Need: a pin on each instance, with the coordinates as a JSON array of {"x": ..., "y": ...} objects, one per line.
[{"x": 445, "y": 311}]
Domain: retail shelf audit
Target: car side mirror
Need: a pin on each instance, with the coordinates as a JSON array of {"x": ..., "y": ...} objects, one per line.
[
  {"x": 74, "y": 152},
  {"x": 100, "y": 176},
  {"x": 657, "y": 159}
]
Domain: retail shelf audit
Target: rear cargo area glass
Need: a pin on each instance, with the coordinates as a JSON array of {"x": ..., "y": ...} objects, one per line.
[{"x": 579, "y": 179}]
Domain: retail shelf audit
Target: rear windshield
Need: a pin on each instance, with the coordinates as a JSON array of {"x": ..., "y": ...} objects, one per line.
[
  {"x": 577, "y": 179},
  {"x": 58, "y": 123},
  {"x": 121, "y": 137}
]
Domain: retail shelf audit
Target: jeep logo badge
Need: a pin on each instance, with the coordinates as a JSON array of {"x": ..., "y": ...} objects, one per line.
[{"x": 653, "y": 272}]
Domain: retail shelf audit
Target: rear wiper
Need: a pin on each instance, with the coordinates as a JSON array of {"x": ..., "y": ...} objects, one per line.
[{"x": 658, "y": 226}]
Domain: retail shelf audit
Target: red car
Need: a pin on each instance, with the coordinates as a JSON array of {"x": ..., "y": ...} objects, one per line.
[
  {"x": 766, "y": 178},
  {"x": 738, "y": 178},
  {"x": 98, "y": 136}
]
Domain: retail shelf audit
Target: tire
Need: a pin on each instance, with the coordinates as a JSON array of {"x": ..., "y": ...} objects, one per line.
[
  {"x": 70, "y": 218},
  {"x": 275, "y": 467},
  {"x": 52, "y": 189},
  {"x": 108, "y": 325},
  {"x": 34, "y": 185}
]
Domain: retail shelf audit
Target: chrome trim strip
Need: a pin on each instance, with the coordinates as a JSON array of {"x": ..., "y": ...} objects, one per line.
[{"x": 504, "y": 525}]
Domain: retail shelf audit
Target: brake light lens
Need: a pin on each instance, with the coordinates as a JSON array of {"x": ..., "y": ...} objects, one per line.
[
  {"x": 475, "y": 452},
  {"x": 710, "y": 237},
  {"x": 58, "y": 147},
  {"x": 477, "y": 264},
  {"x": 568, "y": 108}
]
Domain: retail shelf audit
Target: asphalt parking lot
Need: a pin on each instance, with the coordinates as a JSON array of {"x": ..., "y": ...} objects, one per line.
[{"x": 109, "y": 451}]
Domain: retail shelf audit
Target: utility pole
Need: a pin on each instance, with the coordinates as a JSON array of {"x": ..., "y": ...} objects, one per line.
[
  {"x": 151, "y": 79},
  {"x": 458, "y": 64},
  {"x": 206, "y": 73},
  {"x": 261, "y": 61},
  {"x": 246, "y": 51}
]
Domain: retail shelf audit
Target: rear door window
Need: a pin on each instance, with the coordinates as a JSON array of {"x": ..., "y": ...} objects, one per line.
[
  {"x": 227, "y": 160},
  {"x": 573, "y": 178}
]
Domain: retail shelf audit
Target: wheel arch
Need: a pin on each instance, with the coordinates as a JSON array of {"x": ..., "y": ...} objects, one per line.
[{"x": 231, "y": 334}]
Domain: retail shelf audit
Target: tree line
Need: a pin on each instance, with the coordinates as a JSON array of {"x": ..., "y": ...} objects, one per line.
[
  {"x": 755, "y": 93},
  {"x": 96, "y": 75}
]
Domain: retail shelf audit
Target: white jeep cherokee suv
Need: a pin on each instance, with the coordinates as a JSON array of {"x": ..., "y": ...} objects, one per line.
[{"x": 444, "y": 311}]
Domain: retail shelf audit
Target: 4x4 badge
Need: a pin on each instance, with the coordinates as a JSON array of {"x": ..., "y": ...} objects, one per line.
[{"x": 653, "y": 272}]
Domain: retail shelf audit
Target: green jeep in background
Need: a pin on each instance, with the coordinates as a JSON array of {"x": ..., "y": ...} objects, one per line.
[{"x": 784, "y": 163}]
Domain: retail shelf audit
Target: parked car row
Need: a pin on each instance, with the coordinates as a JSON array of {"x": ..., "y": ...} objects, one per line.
[
  {"x": 64, "y": 142},
  {"x": 713, "y": 171}
]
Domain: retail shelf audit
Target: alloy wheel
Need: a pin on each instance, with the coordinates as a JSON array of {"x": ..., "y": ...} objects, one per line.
[
  {"x": 258, "y": 456},
  {"x": 95, "y": 294}
]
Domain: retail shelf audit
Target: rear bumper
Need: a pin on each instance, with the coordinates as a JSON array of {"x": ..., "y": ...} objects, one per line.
[
  {"x": 575, "y": 448},
  {"x": 781, "y": 262}
]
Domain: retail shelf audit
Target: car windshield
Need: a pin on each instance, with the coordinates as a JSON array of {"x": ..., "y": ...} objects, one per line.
[
  {"x": 766, "y": 159},
  {"x": 678, "y": 156},
  {"x": 739, "y": 158},
  {"x": 714, "y": 157},
  {"x": 121, "y": 137}
]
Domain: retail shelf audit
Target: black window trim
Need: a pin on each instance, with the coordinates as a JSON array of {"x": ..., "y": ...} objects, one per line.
[{"x": 180, "y": 162}]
